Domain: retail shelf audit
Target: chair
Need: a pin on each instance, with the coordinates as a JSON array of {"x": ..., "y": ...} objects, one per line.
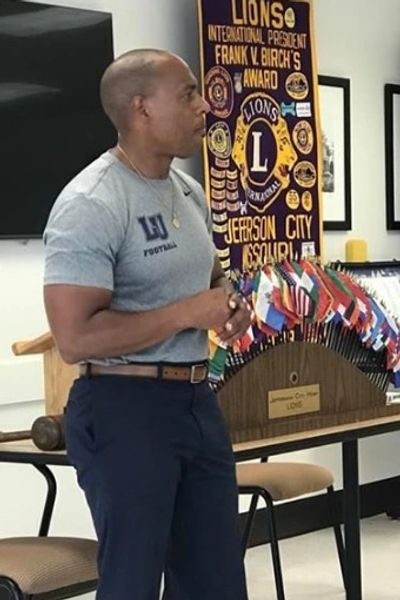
[
  {"x": 46, "y": 568},
  {"x": 283, "y": 481}
]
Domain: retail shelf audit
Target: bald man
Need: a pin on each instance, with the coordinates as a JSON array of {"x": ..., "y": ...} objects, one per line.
[{"x": 132, "y": 284}]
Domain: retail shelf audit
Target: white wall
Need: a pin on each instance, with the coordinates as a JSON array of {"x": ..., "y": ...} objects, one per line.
[{"x": 359, "y": 39}]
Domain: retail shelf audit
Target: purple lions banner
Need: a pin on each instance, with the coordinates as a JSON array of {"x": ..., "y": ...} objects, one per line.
[{"x": 262, "y": 156}]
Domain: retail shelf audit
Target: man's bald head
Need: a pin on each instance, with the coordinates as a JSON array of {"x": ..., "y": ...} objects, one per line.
[{"x": 131, "y": 74}]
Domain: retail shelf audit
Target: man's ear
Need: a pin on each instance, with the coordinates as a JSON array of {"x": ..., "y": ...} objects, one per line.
[{"x": 138, "y": 106}]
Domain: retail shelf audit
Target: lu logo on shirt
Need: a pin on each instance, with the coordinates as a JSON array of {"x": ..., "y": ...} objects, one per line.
[{"x": 154, "y": 227}]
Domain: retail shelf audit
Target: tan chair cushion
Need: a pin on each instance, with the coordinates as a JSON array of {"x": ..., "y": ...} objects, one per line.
[
  {"x": 42, "y": 564},
  {"x": 284, "y": 480}
]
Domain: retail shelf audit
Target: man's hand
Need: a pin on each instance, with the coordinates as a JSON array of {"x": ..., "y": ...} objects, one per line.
[
  {"x": 238, "y": 322},
  {"x": 210, "y": 309}
]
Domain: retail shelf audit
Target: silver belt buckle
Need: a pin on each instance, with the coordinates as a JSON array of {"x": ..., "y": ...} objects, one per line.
[{"x": 193, "y": 378}]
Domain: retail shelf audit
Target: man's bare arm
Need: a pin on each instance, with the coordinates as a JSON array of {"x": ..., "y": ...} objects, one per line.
[
  {"x": 218, "y": 277},
  {"x": 84, "y": 326}
]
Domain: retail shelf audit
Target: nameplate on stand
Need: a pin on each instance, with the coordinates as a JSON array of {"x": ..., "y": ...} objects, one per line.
[{"x": 293, "y": 401}]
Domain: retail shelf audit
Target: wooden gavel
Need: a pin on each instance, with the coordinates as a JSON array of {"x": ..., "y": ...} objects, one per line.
[{"x": 47, "y": 433}]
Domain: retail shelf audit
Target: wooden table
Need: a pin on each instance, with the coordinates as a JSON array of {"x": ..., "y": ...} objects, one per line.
[{"x": 348, "y": 435}]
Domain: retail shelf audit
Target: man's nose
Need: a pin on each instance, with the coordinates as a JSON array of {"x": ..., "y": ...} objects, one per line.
[{"x": 204, "y": 106}]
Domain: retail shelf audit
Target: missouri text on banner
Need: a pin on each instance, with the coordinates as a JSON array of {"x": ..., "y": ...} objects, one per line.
[{"x": 262, "y": 157}]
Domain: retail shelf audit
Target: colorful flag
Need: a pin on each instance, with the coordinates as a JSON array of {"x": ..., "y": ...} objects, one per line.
[{"x": 264, "y": 306}]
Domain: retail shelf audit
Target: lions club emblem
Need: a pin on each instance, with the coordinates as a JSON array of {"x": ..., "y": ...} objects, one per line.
[
  {"x": 263, "y": 150},
  {"x": 219, "y": 92}
]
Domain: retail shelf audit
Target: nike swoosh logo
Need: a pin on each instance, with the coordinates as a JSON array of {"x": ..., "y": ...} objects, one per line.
[{"x": 186, "y": 192}]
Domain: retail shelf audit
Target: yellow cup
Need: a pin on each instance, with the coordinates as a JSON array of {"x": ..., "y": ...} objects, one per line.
[{"x": 356, "y": 251}]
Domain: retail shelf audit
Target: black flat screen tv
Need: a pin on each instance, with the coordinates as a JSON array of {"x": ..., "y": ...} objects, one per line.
[{"x": 51, "y": 121}]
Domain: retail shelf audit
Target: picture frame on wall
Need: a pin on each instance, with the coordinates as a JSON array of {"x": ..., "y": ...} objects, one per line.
[
  {"x": 334, "y": 101},
  {"x": 392, "y": 155}
]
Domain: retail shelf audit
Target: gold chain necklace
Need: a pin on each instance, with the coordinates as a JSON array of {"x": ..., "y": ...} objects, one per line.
[{"x": 174, "y": 217}]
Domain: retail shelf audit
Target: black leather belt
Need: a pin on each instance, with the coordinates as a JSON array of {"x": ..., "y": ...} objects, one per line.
[{"x": 196, "y": 373}]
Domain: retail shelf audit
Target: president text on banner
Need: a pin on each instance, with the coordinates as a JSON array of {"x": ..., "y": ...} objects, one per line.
[{"x": 262, "y": 156}]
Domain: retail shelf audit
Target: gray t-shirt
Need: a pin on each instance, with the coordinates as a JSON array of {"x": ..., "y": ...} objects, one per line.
[{"x": 110, "y": 229}]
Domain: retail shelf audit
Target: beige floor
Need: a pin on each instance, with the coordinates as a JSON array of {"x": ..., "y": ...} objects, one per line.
[{"x": 311, "y": 570}]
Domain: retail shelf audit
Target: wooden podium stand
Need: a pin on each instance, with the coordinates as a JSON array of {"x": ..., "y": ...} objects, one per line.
[
  {"x": 58, "y": 376},
  {"x": 296, "y": 387}
]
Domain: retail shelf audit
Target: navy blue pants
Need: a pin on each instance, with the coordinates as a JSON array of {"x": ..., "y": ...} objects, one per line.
[{"x": 155, "y": 461}]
